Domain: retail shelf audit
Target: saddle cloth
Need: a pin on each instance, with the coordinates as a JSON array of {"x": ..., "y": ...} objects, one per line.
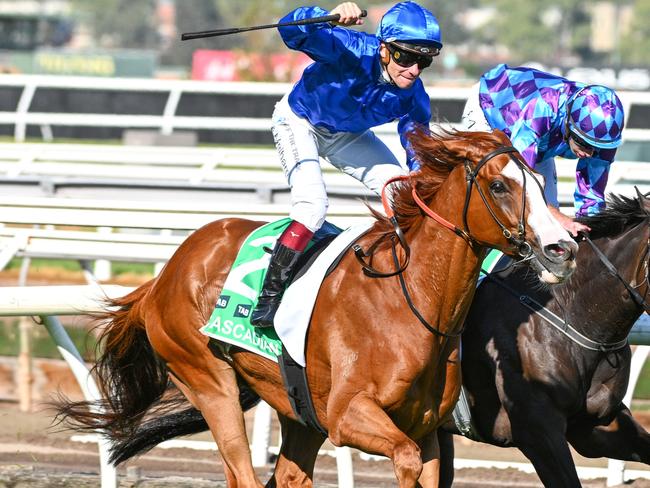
[{"x": 230, "y": 322}]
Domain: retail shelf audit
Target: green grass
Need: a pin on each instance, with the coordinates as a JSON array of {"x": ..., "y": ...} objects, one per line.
[
  {"x": 36, "y": 264},
  {"x": 119, "y": 268},
  {"x": 642, "y": 389}
]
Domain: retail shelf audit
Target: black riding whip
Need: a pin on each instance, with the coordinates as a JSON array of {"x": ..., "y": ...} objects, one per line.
[{"x": 236, "y": 30}]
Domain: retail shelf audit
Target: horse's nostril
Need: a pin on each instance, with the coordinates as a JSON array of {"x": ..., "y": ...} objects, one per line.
[
  {"x": 560, "y": 251},
  {"x": 554, "y": 251}
]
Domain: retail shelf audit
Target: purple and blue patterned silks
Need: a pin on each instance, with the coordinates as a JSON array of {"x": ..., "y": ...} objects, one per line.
[{"x": 530, "y": 106}]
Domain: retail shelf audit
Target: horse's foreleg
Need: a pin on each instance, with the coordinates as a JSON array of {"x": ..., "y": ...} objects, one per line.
[
  {"x": 430, "y": 446},
  {"x": 446, "y": 443},
  {"x": 623, "y": 438},
  {"x": 538, "y": 430},
  {"x": 363, "y": 424},
  {"x": 295, "y": 465}
]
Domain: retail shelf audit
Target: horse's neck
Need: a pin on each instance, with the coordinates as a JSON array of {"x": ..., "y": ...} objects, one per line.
[
  {"x": 596, "y": 302},
  {"x": 445, "y": 268}
]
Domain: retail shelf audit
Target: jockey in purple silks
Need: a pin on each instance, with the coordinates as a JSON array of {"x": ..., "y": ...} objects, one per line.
[{"x": 546, "y": 116}]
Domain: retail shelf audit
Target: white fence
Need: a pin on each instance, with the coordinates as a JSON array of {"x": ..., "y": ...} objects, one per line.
[
  {"x": 68, "y": 165},
  {"x": 169, "y": 120},
  {"x": 214, "y": 171},
  {"x": 54, "y": 167}
]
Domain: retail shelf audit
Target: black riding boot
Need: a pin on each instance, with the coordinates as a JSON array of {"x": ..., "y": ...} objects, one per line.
[{"x": 281, "y": 268}]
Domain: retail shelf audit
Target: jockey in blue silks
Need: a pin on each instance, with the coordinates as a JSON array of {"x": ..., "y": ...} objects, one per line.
[
  {"x": 544, "y": 116},
  {"x": 357, "y": 81}
]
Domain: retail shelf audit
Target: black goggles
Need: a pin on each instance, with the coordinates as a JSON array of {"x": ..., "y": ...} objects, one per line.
[
  {"x": 581, "y": 143},
  {"x": 407, "y": 58}
]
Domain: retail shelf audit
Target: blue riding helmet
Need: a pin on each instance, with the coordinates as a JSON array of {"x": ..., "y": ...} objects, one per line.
[
  {"x": 409, "y": 23},
  {"x": 596, "y": 116}
]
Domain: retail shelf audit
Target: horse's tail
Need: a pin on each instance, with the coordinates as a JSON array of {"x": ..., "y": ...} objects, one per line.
[
  {"x": 130, "y": 376},
  {"x": 161, "y": 428}
]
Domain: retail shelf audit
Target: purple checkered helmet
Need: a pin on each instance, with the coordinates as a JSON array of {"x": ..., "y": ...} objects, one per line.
[{"x": 596, "y": 116}]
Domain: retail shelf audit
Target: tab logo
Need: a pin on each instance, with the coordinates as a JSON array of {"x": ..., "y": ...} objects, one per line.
[
  {"x": 242, "y": 311},
  {"x": 222, "y": 301}
]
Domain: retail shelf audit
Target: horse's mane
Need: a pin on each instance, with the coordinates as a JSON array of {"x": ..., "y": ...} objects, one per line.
[
  {"x": 438, "y": 153},
  {"x": 620, "y": 213}
]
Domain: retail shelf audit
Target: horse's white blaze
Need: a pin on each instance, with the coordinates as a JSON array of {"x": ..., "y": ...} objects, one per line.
[{"x": 540, "y": 221}]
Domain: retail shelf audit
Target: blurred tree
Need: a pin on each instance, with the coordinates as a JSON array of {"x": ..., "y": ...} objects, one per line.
[
  {"x": 192, "y": 16},
  {"x": 539, "y": 30},
  {"x": 634, "y": 47},
  {"x": 446, "y": 13},
  {"x": 120, "y": 23},
  {"x": 132, "y": 23}
]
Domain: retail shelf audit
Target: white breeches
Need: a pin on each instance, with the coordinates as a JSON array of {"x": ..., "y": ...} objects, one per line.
[
  {"x": 547, "y": 169},
  {"x": 474, "y": 120},
  {"x": 361, "y": 155}
]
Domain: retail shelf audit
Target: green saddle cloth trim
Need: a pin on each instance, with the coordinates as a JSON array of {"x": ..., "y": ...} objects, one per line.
[
  {"x": 230, "y": 320},
  {"x": 490, "y": 262}
]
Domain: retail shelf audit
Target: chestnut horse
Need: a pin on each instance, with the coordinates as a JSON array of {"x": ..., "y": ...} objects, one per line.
[
  {"x": 533, "y": 386},
  {"x": 378, "y": 345}
]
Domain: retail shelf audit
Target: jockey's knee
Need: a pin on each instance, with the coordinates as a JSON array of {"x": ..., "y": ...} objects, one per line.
[
  {"x": 309, "y": 200},
  {"x": 378, "y": 175},
  {"x": 310, "y": 213}
]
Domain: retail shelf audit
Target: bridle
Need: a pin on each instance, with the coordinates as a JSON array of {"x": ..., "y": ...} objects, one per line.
[
  {"x": 636, "y": 296},
  {"x": 517, "y": 241}
]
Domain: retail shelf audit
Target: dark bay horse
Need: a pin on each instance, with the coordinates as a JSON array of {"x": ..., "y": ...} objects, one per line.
[
  {"x": 532, "y": 386},
  {"x": 376, "y": 371}
]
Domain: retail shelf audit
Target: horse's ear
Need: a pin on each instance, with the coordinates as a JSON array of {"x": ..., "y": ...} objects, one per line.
[
  {"x": 643, "y": 200},
  {"x": 501, "y": 137}
]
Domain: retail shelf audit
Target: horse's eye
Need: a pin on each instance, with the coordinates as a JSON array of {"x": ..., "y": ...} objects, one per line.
[{"x": 497, "y": 187}]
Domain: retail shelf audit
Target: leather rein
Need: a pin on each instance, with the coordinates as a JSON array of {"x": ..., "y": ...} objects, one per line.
[
  {"x": 518, "y": 241},
  {"x": 636, "y": 296}
]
